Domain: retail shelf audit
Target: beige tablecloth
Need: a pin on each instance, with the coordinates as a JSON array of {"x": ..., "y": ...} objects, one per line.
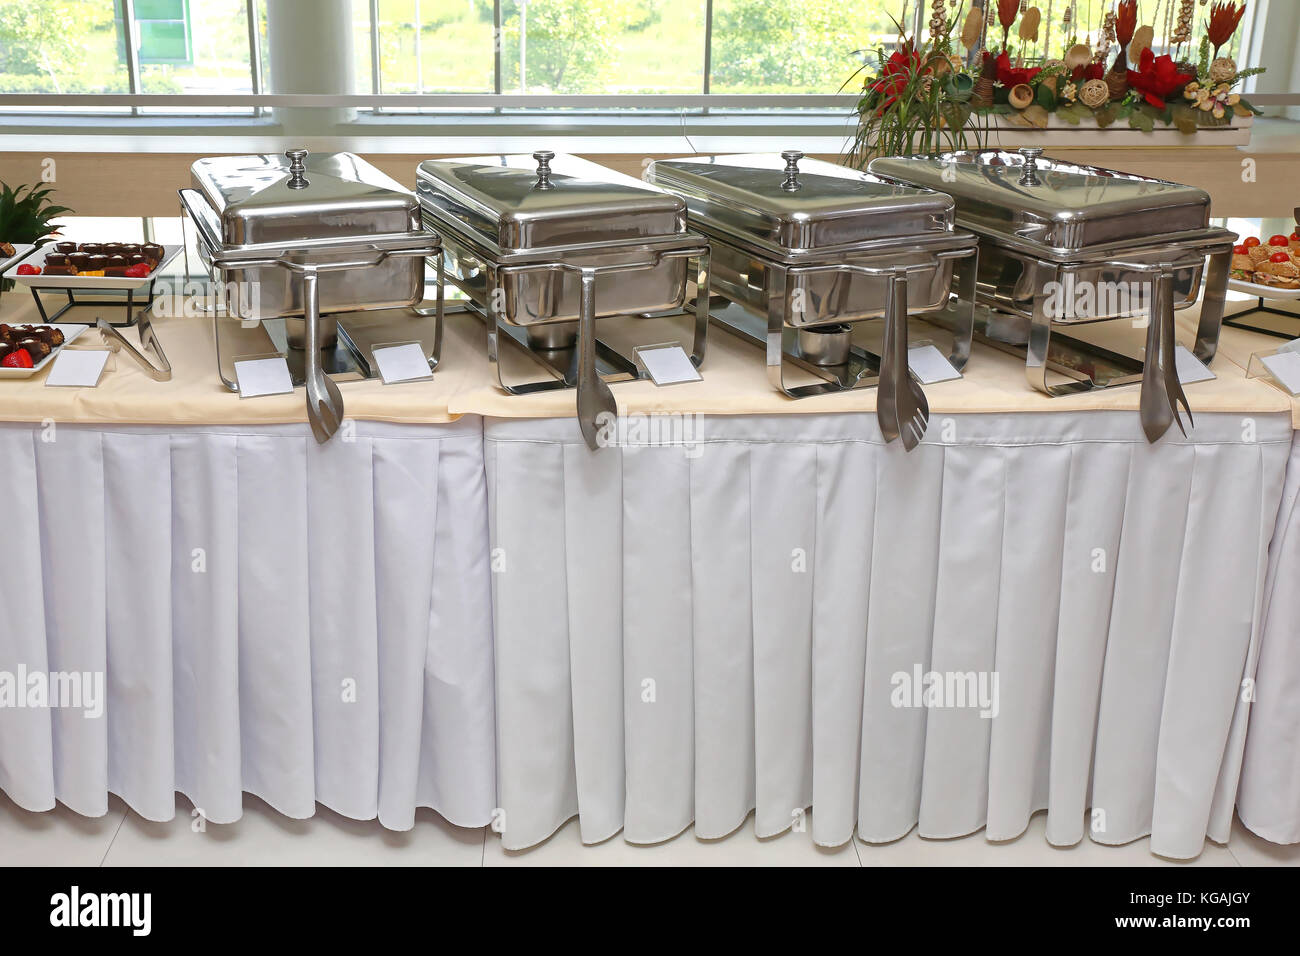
[{"x": 735, "y": 383}]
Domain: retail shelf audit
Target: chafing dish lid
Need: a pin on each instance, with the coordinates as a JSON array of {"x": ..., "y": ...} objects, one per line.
[
  {"x": 279, "y": 198},
  {"x": 545, "y": 200},
  {"x": 1063, "y": 206},
  {"x": 790, "y": 204}
]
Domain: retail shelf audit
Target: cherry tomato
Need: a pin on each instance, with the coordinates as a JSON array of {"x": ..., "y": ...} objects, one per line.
[
  {"x": 1252, "y": 242},
  {"x": 1279, "y": 257},
  {"x": 1278, "y": 241},
  {"x": 1240, "y": 250}
]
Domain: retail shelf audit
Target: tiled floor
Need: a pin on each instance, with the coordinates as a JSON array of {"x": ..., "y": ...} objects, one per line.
[{"x": 264, "y": 837}]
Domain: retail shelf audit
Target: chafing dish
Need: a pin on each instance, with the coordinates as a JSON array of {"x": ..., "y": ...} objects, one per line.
[
  {"x": 803, "y": 254},
  {"x": 1055, "y": 236},
  {"x": 543, "y": 246},
  {"x": 302, "y": 238}
]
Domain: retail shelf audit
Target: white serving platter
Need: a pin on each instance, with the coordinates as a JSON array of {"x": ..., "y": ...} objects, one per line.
[
  {"x": 20, "y": 251},
  {"x": 1263, "y": 291},
  {"x": 87, "y": 282},
  {"x": 70, "y": 333}
]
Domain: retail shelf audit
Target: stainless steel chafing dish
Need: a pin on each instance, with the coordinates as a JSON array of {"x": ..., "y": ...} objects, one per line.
[
  {"x": 801, "y": 254},
  {"x": 302, "y": 238},
  {"x": 1053, "y": 234},
  {"x": 543, "y": 246}
]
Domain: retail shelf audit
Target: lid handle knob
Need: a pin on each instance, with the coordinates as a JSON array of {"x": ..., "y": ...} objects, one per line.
[
  {"x": 791, "y": 181},
  {"x": 544, "y": 157},
  {"x": 1029, "y": 172},
  {"x": 297, "y": 168}
]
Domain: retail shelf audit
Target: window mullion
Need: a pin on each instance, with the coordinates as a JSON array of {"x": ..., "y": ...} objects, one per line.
[{"x": 132, "y": 53}]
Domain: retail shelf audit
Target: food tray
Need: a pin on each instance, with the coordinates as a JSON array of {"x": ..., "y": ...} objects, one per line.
[
  {"x": 102, "y": 283},
  {"x": 70, "y": 333},
  {"x": 1263, "y": 291},
  {"x": 20, "y": 252}
]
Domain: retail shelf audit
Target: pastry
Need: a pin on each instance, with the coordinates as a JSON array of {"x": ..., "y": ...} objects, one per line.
[
  {"x": 65, "y": 247},
  {"x": 91, "y": 248},
  {"x": 36, "y": 347},
  {"x": 58, "y": 264},
  {"x": 7, "y": 251},
  {"x": 116, "y": 265}
]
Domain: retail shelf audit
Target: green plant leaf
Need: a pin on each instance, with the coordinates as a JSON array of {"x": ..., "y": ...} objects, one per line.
[
  {"x": 1184, "y": 117},
  {"x": 1142, "y": 120},
  {"x": 1106, "y": 116}
]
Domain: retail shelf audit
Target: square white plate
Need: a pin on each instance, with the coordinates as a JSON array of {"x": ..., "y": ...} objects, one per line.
[{"x": 70, "y": 333}]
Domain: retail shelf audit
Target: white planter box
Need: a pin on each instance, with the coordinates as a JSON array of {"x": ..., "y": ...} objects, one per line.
[{"x": 1088, "y": 134}]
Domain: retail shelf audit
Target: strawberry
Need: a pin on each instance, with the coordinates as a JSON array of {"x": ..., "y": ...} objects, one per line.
[
  {"x": 27, "y": 269},
  {"x": 138, "y": 271},
  {"x": 18, "y": 358}
]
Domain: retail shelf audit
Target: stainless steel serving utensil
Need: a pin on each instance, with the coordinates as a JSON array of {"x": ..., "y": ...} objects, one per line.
[
  {"x": 901, "y": 406},
  {"x": 594, "y": 396},
  {"x": 162, "y": 372},
  {"x": 324, "y": 401},
  {"x": 1162, "y": 391}
]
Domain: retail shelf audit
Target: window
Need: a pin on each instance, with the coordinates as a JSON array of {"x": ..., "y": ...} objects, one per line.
[{"x": 617, "y": 50}]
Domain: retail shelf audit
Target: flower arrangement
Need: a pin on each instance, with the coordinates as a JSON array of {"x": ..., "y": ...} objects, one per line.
[{"x": 928, "y": 97}]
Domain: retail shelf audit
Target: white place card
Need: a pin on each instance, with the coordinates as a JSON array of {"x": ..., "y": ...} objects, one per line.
[
  {"x": 263, "y": 376},
  {"x": 668, "y": 365},
  {"x": 1285, "y": 367},
  {"x": 1292, "y": 346},
  {"x": 78, "y": 368},
  {"x": 402, "y": 363},
  {"x": 1190, "y": 368},
  {"x": 930, "y": 365}
]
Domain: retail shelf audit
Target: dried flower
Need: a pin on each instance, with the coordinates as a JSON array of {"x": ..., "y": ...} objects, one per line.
[
  {"x": 1029, "y": 24},
  {"x": 1069, "y": 92},
  {"x": 1126, "y": 18},
  {"x": 1224, "y": 19},
  {"x": 1183, "y": 34}
]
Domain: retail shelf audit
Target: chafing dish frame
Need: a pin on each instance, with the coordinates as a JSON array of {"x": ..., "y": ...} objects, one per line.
[
  {"x": 1206, "y": 252},
  {"x": 945, "y": 257},
  {"x": 583, "y": 262},
  {"x": 374, "y": 249},
  {"x": 863, "y": 370}
]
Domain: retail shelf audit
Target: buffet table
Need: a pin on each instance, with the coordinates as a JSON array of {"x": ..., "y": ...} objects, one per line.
[
  {"x": 685, "y": 629},
  {"x": 690, "y": 632},
  {"x": 306, "y": 623},
  {"x": 1269, "y": 799}
]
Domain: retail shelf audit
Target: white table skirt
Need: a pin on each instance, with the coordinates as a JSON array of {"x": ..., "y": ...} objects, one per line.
[
  {"x": 664, "y": 654},
  {"x": 305, "y": 623},
  {"x": 1269, "y": 801}
]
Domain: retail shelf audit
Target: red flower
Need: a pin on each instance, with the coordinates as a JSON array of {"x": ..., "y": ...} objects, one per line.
[
  {"x": 1224, "y": 18},
  {"x": 1009, "y": 77},
  {"x": 1158, "y": 78},
  {"x": 1093, "y": 71},
  {"x": 899, "y": 69}
]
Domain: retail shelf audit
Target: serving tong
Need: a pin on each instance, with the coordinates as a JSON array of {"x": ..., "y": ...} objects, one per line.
[{"x": 149, "y": 342}]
